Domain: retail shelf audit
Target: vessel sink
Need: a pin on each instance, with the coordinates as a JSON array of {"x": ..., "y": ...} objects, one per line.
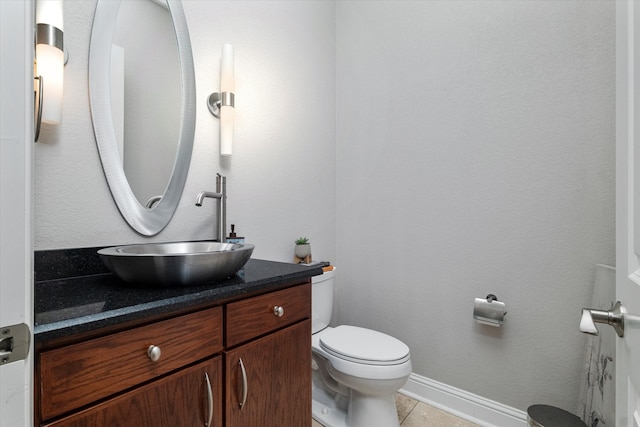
[{"x": 176, "y": 264}]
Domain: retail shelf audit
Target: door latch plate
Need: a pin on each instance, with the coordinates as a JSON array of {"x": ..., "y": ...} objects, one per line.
[{"x": 14, "y": 343}]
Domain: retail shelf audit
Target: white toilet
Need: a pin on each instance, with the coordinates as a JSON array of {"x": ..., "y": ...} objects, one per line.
[{"x": 356, "y": 371}]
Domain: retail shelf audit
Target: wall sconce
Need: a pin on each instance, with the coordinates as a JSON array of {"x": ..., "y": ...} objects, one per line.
[
  {"x": 221, "y": 104},
  {"x": 49, "y": 62}
]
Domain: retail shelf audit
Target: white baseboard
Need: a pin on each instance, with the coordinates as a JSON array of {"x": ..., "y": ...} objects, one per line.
[{"x": 471, "y": 407}]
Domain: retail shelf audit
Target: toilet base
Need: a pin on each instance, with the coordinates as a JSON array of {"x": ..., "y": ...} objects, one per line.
[
  {"x": 362, "y": 411},
  {"x": 325, "y": 410},
  {"x": 372, "y": 411},
  {"x": 327, "y": 416}
]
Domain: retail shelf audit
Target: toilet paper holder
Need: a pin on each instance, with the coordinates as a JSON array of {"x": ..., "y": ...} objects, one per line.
[{"x": 489, "y": 311}]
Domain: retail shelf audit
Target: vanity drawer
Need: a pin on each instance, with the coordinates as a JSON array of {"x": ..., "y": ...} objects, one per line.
[
  {"x": 82, "y": 373},
  {"x": 179, "y": 399},
  {"x": 259, "y": 315}
]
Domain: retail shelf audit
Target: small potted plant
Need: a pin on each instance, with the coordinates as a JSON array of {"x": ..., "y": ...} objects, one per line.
[{"x": 303, "y": 247}]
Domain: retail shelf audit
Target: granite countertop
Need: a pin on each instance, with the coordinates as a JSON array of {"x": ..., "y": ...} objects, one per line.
[{"x": 65, "y": 306}]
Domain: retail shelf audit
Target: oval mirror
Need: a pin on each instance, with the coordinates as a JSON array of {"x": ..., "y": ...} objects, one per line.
[{"x": 142, "y": 97}]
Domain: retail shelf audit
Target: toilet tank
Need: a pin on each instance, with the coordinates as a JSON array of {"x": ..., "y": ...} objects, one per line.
[{"x": 322, "y": 288}]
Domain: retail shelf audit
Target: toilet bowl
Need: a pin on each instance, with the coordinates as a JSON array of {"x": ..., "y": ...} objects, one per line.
[{"x": 356, "y": 371}]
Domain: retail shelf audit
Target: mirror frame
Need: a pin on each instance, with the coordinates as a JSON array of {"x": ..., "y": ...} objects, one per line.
[{"x": 145, "y": 221}]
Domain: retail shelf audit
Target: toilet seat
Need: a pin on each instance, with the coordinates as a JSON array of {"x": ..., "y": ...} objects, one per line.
[
  {"x": 360, "y": 345},
  {"x": 361, "y": 367}
]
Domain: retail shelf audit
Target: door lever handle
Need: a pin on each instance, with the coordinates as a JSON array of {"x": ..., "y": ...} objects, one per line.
[{"x": 613, "y": 317}]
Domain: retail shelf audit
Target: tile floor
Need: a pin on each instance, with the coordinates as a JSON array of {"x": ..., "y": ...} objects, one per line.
[{"x": 413, "y": 413}]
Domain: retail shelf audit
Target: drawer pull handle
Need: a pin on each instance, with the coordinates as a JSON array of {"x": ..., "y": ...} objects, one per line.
[
  {"x": 154, "y": 353},
  {"x": 278, "y": 311},
  {"x": 245, "y": 385},
  {"x": 209, "y": 400}
]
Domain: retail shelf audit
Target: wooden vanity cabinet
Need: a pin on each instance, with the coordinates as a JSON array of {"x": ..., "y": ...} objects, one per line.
[{"x": 113, "y": 381}]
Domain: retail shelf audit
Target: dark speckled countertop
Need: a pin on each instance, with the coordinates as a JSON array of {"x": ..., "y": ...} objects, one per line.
[{"x": 74, "y": 293}]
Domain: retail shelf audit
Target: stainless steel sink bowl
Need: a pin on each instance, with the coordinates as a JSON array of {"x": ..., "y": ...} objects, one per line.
[{"x": 176, "y": 264}]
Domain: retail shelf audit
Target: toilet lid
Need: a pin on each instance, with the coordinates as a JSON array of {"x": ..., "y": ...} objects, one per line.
[{"x": 362, "y": 345}]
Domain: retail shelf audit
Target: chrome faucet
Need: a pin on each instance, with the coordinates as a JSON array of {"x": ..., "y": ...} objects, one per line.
[
  {"x": 221, "y": 213},
  {"x": 152, "y": 201}
]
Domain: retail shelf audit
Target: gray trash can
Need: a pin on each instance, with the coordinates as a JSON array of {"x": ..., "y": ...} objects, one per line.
[{"x": 550, "y": 416}]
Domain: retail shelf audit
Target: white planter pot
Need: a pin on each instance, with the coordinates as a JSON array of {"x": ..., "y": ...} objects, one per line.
[{"x": 303, "y": 251}]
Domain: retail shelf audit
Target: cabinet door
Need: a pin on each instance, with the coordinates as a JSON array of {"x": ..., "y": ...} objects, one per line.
[
  {"x": 181, "y": 399},
  {"x": 277, "y": 368}
]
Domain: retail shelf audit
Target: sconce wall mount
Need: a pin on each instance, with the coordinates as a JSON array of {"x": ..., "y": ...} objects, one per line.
[
  {"x": 49, "y": 35},
  {"x": 217, "y": 100}
]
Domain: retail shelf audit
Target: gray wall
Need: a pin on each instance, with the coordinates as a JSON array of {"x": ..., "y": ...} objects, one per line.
[
  {"x": 472, "y": 153},
  {"x": 475, "y": 154},
  {"x": 281, "y": 177}
]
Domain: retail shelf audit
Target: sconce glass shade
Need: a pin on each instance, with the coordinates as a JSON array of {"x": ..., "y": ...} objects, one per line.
[
  {"x": 227, "y": 119},
  {"x": 227, "y": 109},
  {"x": 50, "y": 57}
]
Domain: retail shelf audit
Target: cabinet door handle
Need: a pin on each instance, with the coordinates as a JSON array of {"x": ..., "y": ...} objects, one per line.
[
  {"x": 154, "y": 353},
  {"x": 278, "y": 310},
  {"x": 245, "y": 385},
  {"x": 209, "y": 400}
]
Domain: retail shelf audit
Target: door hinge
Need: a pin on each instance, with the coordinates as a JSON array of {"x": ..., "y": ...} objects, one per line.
[{"x": 14, "y": 343}]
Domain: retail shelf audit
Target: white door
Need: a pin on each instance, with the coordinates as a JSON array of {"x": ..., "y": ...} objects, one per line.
[
  {"x": 16, "y": 136},
  {"x": 628, "y": 210}
]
